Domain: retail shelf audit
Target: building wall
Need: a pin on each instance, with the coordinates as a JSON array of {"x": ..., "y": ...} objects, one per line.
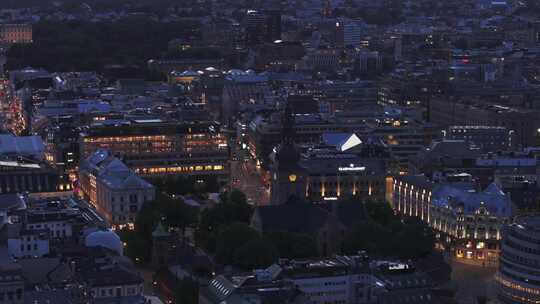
[
  {"x": 523, "y": 123},
  {"x": 12, "y": 181},
  {"x": 16, "y": 33},
  {"x": 344, "y": 289},
  {"x": 11, "y": 287},
  {"x": 518, "y": 279},
  {"x": 103, "y": 292},
  {"x": 346, "y": 185},
  {"x": 322, "y": 290},
  {"x": 57, "y": 229},
  {"x": 154, "y": 155},
  {"x": 121, "y": 207},
  {"x": 28, "y": 246},
  {"x": 473, "y": 237}
]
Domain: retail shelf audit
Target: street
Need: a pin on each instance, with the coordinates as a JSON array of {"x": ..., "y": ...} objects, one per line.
[
  {"x": 473, "y": 281},
  {"x": 246, "y": 177}
]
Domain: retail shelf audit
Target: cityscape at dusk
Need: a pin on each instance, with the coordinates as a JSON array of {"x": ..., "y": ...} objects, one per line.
[{"x": 269, "y": 151}]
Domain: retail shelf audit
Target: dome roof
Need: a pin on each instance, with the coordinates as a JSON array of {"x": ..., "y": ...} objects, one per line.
[{"x": 104, "y": 238}]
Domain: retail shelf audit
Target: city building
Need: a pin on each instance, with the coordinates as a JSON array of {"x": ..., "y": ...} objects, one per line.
[
  {"x": 330, "y": 173},
  {"x": 341, "y": 279},
  {"x": 258, "y": 287},
  {"x": 154, "y": 148},
  {"x": 27, "y": 243},
  {"x": 444, "y": 155},
  {"x": 348, "y": 34},
  {"x": 265, "y": 133},
  {"x": 27, "y": 175},
  {"x": 11, "y": 283},
  {"x": 469, "y": 221},
  {"x": 521, "y": 122},
  {"x": 485, "y": 138},
  {"x": 16, "y": 33},
  {"x": 345, "y": 279},
  {"x": 518, "y": 276},
  {"x": 115, "y": 190},
  {"x": 31, "y": 147},
  {"x": 62, "y": 218},
  {"x": 106, "y": 279},
  {"x": 404, "y": 138},
  {"x": 262, "y": 26}
]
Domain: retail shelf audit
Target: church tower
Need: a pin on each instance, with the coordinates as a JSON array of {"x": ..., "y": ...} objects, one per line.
[
  {"x": 288, "y": 178},
  {"x": 161, "y": 246}
]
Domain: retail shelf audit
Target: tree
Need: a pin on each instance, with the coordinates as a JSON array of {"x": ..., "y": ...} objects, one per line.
[
  {"x": 232, "y": 209},
  {"x": 174, "y": 213},
  {"x": 416, "y": 238},
  {"x": 380, "y": 212},
  {"x": 292, "y": 245},
  {"x": 231, "y": 238},
  {"x": 388, "y": 234},
  {"x": 368, "y": 236},
  {"x": 187, "y": 291},
  {"x": 89, "y": 46},
  {"x": 256, "y": 253},
  {"x": 136, "y": 247}
]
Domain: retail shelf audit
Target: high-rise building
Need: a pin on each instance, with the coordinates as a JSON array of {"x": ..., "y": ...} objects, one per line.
[
  {"x": 518, "y": 278},
  {"x": 348, "y": 34},
  {"x": 262, "y": 26}
]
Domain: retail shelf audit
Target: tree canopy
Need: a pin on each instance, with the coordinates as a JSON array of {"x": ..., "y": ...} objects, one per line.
[
  {"x": 388, "y": 234},
  {"x": 87, "y": 46},
  {"x": 232, "y": 209},
  {"x": 173, "y": 212}
]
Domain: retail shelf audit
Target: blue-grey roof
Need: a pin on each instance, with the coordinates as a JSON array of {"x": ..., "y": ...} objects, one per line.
[
  {"x": 21, "y": 145},
  {"x": 113, "y": 171},
  {"x": 493, "y": 198}
]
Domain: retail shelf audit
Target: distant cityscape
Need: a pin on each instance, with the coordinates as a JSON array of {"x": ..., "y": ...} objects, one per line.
[{"x": 269, "y": 152}]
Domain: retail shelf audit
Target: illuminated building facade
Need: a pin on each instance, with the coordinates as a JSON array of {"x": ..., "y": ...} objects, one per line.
[
  {"x": 468, "y": 220},
  {"x": 19, "y": 176},
  {"x": 343, "y": 166},
  {"x": 62, "y": 150},
  {"x": 115, "y": 190},
  {"x": 333, "y": 176},
  {"x": 518, "y": 279},
  {"x": 16, "y": 33},
  {"x": 156, "y": 148}
]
